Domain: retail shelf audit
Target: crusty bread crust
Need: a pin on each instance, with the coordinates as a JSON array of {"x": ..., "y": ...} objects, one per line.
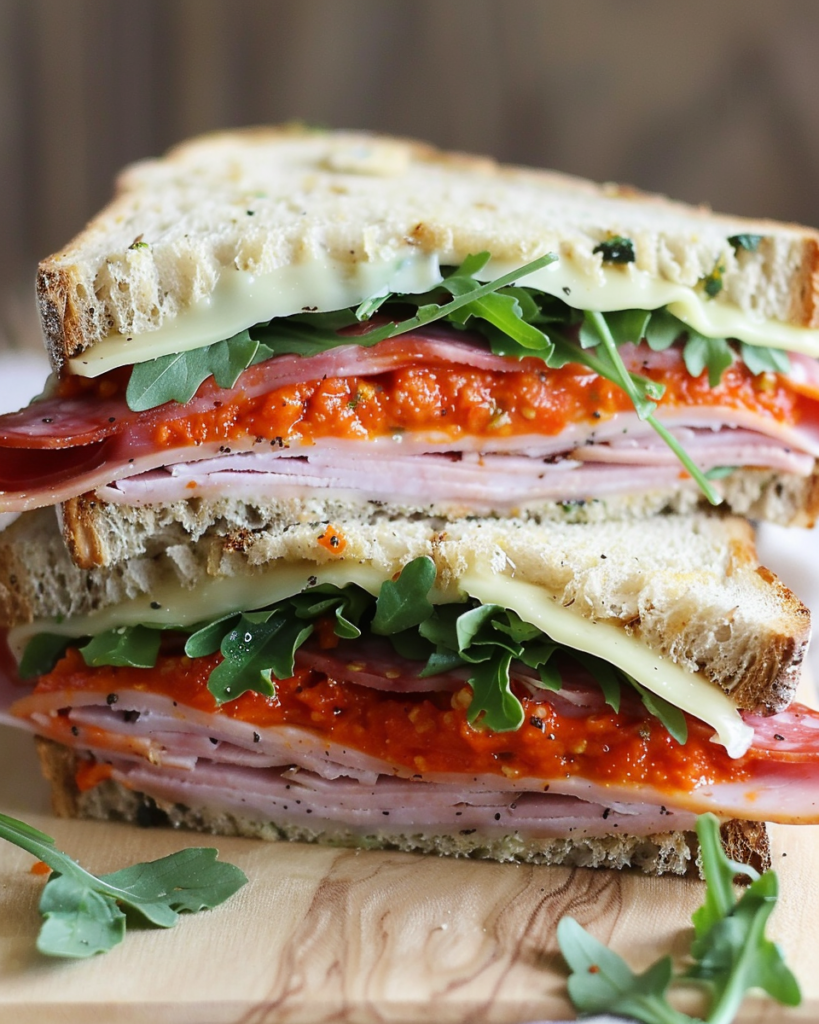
[
  {"x": 176, "y": 225},
  {"x": 664, "y": 853},
  {"x": 689, "y": 587}
]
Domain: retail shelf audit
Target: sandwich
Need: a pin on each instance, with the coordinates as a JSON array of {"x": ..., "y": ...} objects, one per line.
[
  {"x": 282, "y": 325},
  {"x": 384, "y": 484},
  {"x": 571, "y": 694}
]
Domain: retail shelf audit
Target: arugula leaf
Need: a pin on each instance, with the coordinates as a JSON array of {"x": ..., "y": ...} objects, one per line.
[
  {"x": 760, "y": 359},
  {"x": 669, "y": 714},
  {"x": 700, "y": 351},
  {"x": 602, "y": 982},
  {"x": 42, "y": 653},
  {"x": 596, "y": 324},
  {"x": 133, "y": 646},
  {"x": 254, "y": 652},
  {"x": 177, "y": 376},
  {"x": 403, "y": 602},
  {"x": 663, "y": 330},
  {"x": 492, "y": 699},
  {"x": 730, "y": 952},
  {"x": 730, "y": 949},
  {"x": 83, "y": 914},
  {"x": 719, "y": 472}
]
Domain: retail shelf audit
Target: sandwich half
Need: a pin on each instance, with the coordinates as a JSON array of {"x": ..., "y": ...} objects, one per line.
[
  {"x": 278, "y": 325},
  {"x": 560, "y": 693}
]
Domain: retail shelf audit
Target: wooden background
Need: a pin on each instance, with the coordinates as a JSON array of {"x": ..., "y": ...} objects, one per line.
[{"x": 705, "y": 101}]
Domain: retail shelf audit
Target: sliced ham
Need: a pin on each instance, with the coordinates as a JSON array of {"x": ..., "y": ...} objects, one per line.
[
  {"x": 462, "y": 481},
  {"x": 59, "y": 447},
  {"x": 175, "y": 743},
  {"x": 393, "y": 806}
]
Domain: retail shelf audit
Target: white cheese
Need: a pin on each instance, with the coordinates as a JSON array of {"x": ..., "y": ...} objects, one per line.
[
  {"x": 241, "y": 300},
  {"x": 689, "y": 691}
]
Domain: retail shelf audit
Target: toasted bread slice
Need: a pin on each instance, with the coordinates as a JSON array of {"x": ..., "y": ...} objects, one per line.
[
  {"x": 256, "y": 201},
  {"x": 689, "y": 588}
]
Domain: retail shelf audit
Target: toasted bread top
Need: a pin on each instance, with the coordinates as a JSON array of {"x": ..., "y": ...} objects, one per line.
[{"x": 257, "y": 200}]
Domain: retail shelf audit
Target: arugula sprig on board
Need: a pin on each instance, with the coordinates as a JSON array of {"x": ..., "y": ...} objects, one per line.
[
  {"x": 84, "y": 913},
  {"x": 729, "y": 955},
  {"x": 259, "y": 647}
]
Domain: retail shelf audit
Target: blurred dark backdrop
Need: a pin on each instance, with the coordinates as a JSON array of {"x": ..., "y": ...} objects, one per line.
[{"x": 707, "y": 101}]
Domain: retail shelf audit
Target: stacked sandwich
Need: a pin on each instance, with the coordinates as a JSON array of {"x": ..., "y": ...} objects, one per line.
[{"x": 397, "y": 505}]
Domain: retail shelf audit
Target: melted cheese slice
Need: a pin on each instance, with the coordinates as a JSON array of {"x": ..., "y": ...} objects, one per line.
[
  {"x": 241, "y": 300},
  {"x": 168, "y": 605}
]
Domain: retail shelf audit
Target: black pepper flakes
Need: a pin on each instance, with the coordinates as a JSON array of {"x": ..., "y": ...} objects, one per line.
[
  {"x": 112, "y": 698},
  {"x": 536, "y": 722},
  {"x": 256, "y": 737},
  {"x": 778, "y": 737},
  {"x": 156, "y": 605}
]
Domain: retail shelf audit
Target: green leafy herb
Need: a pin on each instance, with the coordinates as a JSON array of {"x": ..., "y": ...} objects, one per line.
[
  {"x": 258, "y": 648},
  {"x": 134, "y": 646},
  {"x": 720, "y": 472},
  {"x": 745, "y": 241},
  {"x": 176, "y": 377},
  {"x": 42, "y": 653},
  {"x": 84, "y": 913},
  {"x": 759, "y": 359},
  {"x": 640, "y": 392},
  {"x": 403, "y": 603},
  {"x": 616, "y": 250},
  {"x": 712, "y": 283},
  {"x": 729, "y": 954},
  {"x": 701, "y": 352}
]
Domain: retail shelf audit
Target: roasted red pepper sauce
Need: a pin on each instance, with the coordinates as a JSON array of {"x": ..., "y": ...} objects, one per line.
[
  {"x": 456, "y": 401},
  {"x": 429, "y": 732}
]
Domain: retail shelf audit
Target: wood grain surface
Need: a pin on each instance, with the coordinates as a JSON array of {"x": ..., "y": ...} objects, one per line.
[{"x": 322, "y": 935}]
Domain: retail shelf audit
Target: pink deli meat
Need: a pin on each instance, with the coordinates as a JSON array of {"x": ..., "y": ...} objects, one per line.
[{"x": 58, "y": 448}]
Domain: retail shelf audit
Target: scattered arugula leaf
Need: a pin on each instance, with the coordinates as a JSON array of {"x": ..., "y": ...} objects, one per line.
[
  {"x": 616, "y": 249},
  {"x": 729, "y": 953},
  {"x": 745, "y": 241},
  {"x": 83, "y": 912}
]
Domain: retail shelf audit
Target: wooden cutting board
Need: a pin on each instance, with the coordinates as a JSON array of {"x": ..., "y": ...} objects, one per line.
[{"x": 324, "y": 935}]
